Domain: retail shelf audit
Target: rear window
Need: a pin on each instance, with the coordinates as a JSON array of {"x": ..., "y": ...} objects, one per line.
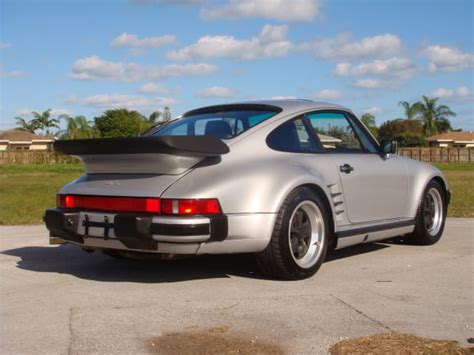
[{"x": 223, "y": 124}]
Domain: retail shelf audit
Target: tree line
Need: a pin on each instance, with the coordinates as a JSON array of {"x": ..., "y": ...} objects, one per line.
[
  {"x": 422, "y": 119},
  {"x": 112, "y": 123}
]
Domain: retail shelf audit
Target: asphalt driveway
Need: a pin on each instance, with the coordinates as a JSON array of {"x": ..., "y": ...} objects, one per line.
[{"x": 59, "y": 299}]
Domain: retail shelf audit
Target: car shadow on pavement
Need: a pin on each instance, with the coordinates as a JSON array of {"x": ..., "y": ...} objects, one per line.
[
  {"x": 68, "y": 259},
  {"x": 355, "y": 250}
]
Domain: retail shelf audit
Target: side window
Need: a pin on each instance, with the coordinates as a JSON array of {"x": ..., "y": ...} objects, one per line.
[
  {"x": 337, "y": 133},
  {"x": 292, "y": 136},
  {"x": 179, "y": 131}
]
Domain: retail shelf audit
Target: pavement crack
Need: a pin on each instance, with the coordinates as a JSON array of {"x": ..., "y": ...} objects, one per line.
[
  {"x": 362, "y": 313},
  {"x": 72, "y": 312}
]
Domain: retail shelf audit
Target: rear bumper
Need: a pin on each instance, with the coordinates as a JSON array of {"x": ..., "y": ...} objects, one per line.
[
  {"x": 234, "y": 233},
  {"x": 141, "y": 232}
]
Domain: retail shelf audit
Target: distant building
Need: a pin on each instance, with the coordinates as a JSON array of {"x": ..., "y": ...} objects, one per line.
[
  {"x": 328, "y": 141},
  {"x": 21, "y": 140},
  {"x": 452, "y": 140}
]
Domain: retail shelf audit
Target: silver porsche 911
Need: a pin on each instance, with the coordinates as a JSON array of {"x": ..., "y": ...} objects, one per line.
[{"x": 287, "y": 180}]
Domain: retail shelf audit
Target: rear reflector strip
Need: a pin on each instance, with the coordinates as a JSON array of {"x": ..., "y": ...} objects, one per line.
[
  {"x": 179, "y": 207},
  {"x": 105, "y": 203}
]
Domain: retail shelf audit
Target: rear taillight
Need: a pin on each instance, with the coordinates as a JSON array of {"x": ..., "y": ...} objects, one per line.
[
  {"x": 184, "y": 207},
  {"x": 190, "y": 207},
  {"x": 105, "y": 203}
]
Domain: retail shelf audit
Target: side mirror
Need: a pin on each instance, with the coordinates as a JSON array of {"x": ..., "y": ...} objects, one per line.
[{"x": 388, "y": 147}]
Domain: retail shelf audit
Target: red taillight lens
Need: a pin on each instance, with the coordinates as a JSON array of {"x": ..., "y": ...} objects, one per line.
[
  {"x": 104, "y": 203},
  {"x": 190, "y": 206}
]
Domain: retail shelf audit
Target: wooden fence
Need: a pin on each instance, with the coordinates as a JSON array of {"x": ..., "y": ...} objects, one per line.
[
  {"x": 430, "y": 155},
  {"x": 439, "y": 155},
  {"x": 35, "y": 157}
]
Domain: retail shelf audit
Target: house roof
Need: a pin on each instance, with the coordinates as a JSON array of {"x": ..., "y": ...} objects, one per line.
[
  {"x": 14, "y": 135},
  {"x": 467, "y": 136},
  {"x": 328, "y": 139}
]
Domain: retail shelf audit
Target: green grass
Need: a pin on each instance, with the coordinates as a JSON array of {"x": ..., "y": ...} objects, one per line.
[
  {"x": 461, "y": 182},
  {"x": 455, "y": 167},
  {"x": 27, "y": 190}
]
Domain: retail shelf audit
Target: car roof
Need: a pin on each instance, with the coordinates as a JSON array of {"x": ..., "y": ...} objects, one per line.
[{"x": 287, "y": 105}]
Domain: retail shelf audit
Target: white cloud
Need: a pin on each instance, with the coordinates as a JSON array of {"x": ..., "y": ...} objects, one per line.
[
  {"x": 283, "y": 97},
  {"x": 217, "y": 91},
  {"x": 342, "y": 47},
  {"x": 121, "y": 101},
  {"x": 328, "y": 94},
  {"x": 139, "y": 45},
  {"x": 4, "y": 45},
  {"x": 54, "y": 111},
  {"x": 11, "y": 73},
  {"x": 281, "y": 10},
  {"x": 459, "y": 94},
  {"x": 367, "y": 84},
  {"x": 95, "y": 68},
  {"x": 59, "y": 112},
  {"x": 402, "y": 68},
  {"x": 443, "y": 58},
  {"x": 374, "y": 110},
  {"x": 153, "y": 88},
  {"x": 271, "y": 42}
]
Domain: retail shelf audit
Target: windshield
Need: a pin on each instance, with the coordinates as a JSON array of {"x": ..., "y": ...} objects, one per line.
[{"x": 224, "y": 124}]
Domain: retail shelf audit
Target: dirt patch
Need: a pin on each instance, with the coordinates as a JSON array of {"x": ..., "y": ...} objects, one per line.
[
  {"x": 209, "y": 341},
  {"x": 397, "y": 343}
]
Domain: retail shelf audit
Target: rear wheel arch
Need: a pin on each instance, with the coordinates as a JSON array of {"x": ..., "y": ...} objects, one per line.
[{"x": 441, "y": 181}]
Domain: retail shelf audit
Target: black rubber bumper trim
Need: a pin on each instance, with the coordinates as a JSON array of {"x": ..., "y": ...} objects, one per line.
[
  {"x": 219, "y": 228},
  {"x": 63, "y": 225},
  {"x": 180, "y": 229},
  {"x": 377, "y": 228},
  {"x": 134, "y": 231}
]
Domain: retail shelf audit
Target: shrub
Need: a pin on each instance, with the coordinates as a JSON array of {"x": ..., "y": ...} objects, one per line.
[
  {"x": 121, "y": 123},
  {"x": 409, "y": 139},
  {"x": 390, "y": 129}
]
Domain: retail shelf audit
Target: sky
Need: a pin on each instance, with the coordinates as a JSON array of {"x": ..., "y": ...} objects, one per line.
[{"x": 82, "y": 57}]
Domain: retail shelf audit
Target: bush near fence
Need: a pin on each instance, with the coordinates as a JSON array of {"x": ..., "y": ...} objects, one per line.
[{"x": 429, "y": 155}]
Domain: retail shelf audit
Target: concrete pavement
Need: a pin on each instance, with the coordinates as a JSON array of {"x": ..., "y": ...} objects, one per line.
[{"x": 61, "y": 300}]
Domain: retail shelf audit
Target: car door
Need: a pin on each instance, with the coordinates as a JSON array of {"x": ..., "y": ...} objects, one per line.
[{"x": 375, "y": 187}]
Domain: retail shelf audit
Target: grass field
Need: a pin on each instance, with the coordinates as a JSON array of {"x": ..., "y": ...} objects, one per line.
[{"x": 27, "y": 190}]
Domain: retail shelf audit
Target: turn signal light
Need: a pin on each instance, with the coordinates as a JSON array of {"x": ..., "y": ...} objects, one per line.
[{"x": 190, "y": 207}]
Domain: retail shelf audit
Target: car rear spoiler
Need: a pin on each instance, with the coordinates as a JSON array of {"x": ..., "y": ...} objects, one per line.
[{"x": 197, "y": 146}]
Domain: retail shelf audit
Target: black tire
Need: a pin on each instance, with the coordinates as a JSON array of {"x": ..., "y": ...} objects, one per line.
[
  {"x": 422, "y": 235},
  {"x": 278, "y": 260}
]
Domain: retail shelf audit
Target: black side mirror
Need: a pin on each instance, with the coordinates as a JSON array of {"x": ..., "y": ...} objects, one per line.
[{"x": 388, "y": 147}]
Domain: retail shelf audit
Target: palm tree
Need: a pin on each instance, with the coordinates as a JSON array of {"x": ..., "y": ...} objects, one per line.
[
  {"x": 77, "y": 128},
  {"x": 44, "y": 121},
  {"x": 24, "y": 125},
  {"x": 368, "y": 120},
  {"x": 430, "y": 113},
  {"x": 411, "y": 111},
  {"x": 154, "y": 117}
]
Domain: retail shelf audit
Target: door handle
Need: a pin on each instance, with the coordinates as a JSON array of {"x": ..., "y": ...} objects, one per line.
[{"x": 346, "y": 168}]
